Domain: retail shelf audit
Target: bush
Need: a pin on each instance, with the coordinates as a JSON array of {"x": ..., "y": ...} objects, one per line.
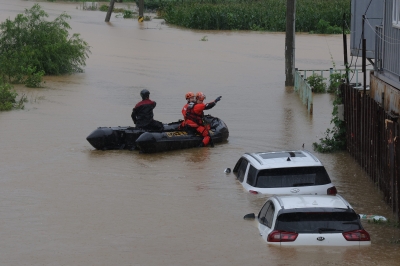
[
  {"x": 317, "y": 83},
  {"x": 127, "y": 14},
  {"x": 30, "y": 42},
  {"x": 325, "y": 27},
  {"x": 33, "y": 79},
  {"x": 8, "y": 98},
  {"x": 335, "y": 79},
  {"x": 151, "y": 4},
  {"x": 335, "y": 138},
  {"x": 104, "y": 8}
]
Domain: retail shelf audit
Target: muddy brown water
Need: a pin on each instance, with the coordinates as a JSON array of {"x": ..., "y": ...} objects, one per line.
[{"x": 64, "y": 203}]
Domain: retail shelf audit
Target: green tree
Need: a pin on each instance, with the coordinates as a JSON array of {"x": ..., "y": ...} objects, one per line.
[{"x": 30, "y": 42}]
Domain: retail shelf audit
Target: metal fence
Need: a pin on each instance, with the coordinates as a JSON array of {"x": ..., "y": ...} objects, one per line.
[
  {"x": 304, "y": 90},
  {"x": 373, "y": 141}
]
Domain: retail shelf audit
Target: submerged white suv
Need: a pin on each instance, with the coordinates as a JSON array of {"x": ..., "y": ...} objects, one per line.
[
  {"x": 283, "y": 172},
  {"x": 320, "y": 220}
]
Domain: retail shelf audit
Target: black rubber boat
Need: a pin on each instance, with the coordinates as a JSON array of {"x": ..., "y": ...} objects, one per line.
[{"x": 114, "y": 138}]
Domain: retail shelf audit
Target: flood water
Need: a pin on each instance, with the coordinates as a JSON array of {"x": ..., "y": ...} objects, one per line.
[{"x": 64, "y": 203}]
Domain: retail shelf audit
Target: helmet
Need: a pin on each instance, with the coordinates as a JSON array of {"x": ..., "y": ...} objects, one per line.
[
  {"x": 189, "y": 95},
  {"x": 145, "y": 94},
  {"x": 200, "y": 96}
]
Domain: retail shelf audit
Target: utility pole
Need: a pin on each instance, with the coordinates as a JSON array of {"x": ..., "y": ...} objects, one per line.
[
  {"x": 289, "y": 41},
  {"x": 110, "y": 9},
  {"x": 141, "y": 7}
]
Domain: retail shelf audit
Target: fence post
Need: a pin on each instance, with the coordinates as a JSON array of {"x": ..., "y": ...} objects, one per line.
[{"x": 357, "y": 77}]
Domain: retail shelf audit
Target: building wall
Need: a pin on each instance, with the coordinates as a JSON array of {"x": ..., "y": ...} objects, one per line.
[
  {"x": 374, "y": 15},
  {"x": 391, "y": 45},
  {"x": 390, "y": 97}
]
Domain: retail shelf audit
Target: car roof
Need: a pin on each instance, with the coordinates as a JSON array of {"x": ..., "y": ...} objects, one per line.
[
  {"x": 311, "y": 201},
  {"x": 282, "y": 159}
]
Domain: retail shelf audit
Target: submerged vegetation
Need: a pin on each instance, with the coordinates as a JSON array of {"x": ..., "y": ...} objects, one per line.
[
  {"x": 8, "y": 98},
  {"x": 313, "y": 16},
  {"x": 335, "y": 138},
  {"x": 319, "y": 16},
  {"x": 31, "y": 47},
  {"x": 317, "y": 83}
]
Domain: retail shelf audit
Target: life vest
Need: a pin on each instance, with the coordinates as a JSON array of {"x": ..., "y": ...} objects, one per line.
[
  {"x": 184, "y": 109},
  {"x": 192, "y": 115}
]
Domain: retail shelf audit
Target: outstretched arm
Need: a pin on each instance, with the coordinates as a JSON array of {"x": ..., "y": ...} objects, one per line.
[
  {"x": 212, "y": 104},
  {"x": 209, "y": 105}
]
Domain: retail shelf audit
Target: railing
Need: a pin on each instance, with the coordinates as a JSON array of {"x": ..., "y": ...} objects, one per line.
[
  {"x": 90, "y": 5},
  {"x": 305, "y": 91}
]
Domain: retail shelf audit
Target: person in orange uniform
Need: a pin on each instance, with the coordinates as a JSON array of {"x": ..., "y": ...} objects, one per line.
[
  {"x": 190, "y": 98},
  {"x": 194, "y": 116}
]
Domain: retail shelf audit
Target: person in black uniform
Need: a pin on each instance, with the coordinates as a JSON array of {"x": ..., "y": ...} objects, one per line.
[{"x": 142, "y": 114}]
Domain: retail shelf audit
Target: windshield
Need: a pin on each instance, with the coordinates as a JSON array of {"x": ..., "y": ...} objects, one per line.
[
  {"x": 320, "y": 221},
  {"x": 292, "y": 177}
]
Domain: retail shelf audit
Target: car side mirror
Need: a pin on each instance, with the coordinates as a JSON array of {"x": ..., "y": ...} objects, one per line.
[{"x": 249, "y": 216}]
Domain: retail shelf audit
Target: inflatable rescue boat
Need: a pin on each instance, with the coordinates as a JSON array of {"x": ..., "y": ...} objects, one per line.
[{"x": 131, "y": 138}]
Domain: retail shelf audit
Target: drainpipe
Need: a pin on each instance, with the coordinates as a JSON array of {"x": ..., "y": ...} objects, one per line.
[
  {"x": 364, "y": 48},
  {"x": 383, "y": 33}
]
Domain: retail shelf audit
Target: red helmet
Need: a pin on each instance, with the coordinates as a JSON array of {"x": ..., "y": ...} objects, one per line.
[
  {"x": 189, "y": 95},
  {"x": 200, "y": 96}
]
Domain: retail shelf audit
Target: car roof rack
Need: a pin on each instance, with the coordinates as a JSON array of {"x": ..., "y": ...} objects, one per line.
[
  {"x": 344, "y": 201},
  {"x": 252, "y": 155},
  {"x": 311, "y": 155},
  {"x": 279, "y": 200}
]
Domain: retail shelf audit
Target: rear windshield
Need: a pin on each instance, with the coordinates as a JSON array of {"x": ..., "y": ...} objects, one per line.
[
  {"x": 292, "y": 177},
  {"x": 322, "y": 221}
]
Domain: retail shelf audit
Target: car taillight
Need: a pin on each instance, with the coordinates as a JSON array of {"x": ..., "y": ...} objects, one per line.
[
  {"x": 282, "y": 236},
  {"x": 331, "y": 191},
  {"x": 357, "y": 235},
  {"x": 253, "y": 192}
]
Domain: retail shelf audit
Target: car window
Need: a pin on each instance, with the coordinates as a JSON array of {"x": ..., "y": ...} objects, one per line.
[
  {"x": 263, "y": 213},
  {"x": 320, "y": 221},
  {"x": 240, "y": 169},
  {"x": 251, "y": 176},
  {"x": 292, "y": 177},
  {"x": 270, "y": 215}
]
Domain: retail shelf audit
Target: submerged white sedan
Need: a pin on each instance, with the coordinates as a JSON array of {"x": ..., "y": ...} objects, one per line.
[
  {"x": 283, "y": 172},
  {"x": 312, "y": 220}
]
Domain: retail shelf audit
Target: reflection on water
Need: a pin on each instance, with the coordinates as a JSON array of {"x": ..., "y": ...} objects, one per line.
[{"x": 64, "y": 202}]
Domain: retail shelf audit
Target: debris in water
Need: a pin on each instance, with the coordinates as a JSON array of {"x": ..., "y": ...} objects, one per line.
[{"x": 372, "y": 217}]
